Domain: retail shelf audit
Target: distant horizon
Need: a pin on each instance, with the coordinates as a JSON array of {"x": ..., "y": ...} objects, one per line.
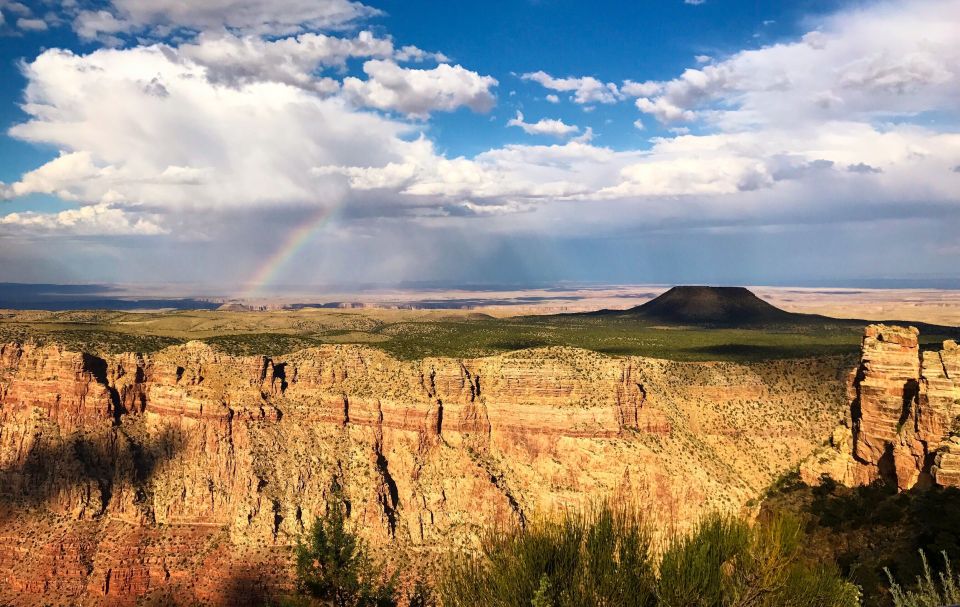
[
  {"x": 129, "y": 296},
  {"x": 224, "y": 290}
]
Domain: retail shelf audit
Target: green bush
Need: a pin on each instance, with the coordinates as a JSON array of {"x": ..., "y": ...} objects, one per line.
[
  {"x": 929, "y": 592},
  {"x": 726, "y": 562},
  {"x": 332, "y": 566},
  {"x": 596, "y": 557},
  {"x": 603, "y": 557},
  {"x": 421, "y": 595}
]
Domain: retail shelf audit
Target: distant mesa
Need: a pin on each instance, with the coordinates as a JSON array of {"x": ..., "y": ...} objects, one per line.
[
  {"x": 234, "y": 306},
  {"x": 700, "y": 305}
]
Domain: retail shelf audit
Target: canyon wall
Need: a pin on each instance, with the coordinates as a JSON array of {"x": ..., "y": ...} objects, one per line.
[
  {"x": 904, "y": 404},
  {"x": 184, "y": 476}
]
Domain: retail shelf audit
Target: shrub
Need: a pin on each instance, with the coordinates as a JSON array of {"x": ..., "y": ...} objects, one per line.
[
  {"x": 421, "y": 595},
  {"x": 945, "y": 590},
  {"x": 603, "y": 557},
  {"x": 725, "y": 561},
  {"x": 600, "y": 556},
  {"x": 332, "y": 565}
]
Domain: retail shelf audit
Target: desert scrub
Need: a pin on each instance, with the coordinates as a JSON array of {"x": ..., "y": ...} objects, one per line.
[
  {"x": 600, "y": 556},
  {"x": 82, "y": 339},
  {"x": 726, "y": 561},
  {"x": 332, "y": 565},
  {"x": 603, "y": 556},
  {"x": 262, "y": 344},
  {"x": 928, "y": 591}
]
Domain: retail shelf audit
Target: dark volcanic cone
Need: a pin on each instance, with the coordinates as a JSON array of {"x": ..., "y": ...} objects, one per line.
[{"x": 730, "y": 306}]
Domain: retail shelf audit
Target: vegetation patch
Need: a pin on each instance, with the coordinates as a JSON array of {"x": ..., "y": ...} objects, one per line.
[
  {"x": 873, "y": 533},
  {"x": 414, "y": 335}
]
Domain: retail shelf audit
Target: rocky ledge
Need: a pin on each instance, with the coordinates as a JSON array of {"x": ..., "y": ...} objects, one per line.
[
  {"x": 904, "y": 405},
  {"x": 186, "y": 475}
]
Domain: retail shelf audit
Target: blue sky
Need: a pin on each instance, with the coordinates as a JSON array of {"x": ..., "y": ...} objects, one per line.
[
  {"x": 251, "y": 144},
  {"x": 652, "y": 40},
  {"x": 648, "y": 40}
]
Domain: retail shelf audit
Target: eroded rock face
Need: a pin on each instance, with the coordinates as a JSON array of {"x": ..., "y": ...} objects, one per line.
[
  {"x": 187, "y": 474},
  {"x": 904, "y": 406}
]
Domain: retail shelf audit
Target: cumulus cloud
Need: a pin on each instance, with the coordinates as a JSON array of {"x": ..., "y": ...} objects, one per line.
[
  {"x": 282, "y": 17},
  {"x": 863, "y": 168},
  {"x": 235, "y": 60},
  {"x": 855, "y": 66},
  {"x": 93, "y": 220},
  {"x": 100, "y": 24},
  {"x": 664, "y": 110},
  {"x": 544, "y": 126},
  {"x": 733, "y": 163},
  {"x": 520, "y": 173},
  {"x": 235, "y": 124},
  {"x": 32, "y": 25},
  {"x": 17, "y": 8},
  {"x": 585, "y": 90},
  {"x": 196, "y": 144},
  {"x": 417, "y": 55},
  {"x": 640, "y": 89},
  {"x": 58, "y": 176},
  {"x": 418, "y": 92}
]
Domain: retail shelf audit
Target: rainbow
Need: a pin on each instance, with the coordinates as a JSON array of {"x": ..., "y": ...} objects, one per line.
[{"x": 298, "y": 237}]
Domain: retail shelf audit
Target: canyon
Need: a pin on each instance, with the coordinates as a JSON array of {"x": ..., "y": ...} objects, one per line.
[
  {"x": 902, "y": 424},
  {"x": 186, "y": 475}
]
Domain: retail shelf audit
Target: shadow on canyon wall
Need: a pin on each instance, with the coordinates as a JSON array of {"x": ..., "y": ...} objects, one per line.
[
  {"x": 248, "y": 587},
  {"x": 866, "y": 529},
  {"x": 79, "y": 474}
]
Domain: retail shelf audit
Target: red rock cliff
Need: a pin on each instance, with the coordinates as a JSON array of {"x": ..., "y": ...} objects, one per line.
[
  {"x": 186, "y": 474},
  {"x": 904, "y": 407}
]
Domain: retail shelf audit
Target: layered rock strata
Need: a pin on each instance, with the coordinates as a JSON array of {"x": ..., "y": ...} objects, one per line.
[
  {"x": 185, "y": 475},
  {"x": 904, "y": 404}
]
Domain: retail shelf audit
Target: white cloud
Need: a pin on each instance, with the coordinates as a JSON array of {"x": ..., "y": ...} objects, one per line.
[
  {"x": 281, "y": 17},
  {"x": 94, "y": 24},
  {"x": 32, "y": 25},
  {"x": 552, "y": 98},
  {"x": 235, "y": 60},
  {"x": 638, "y": 124},
  {"x": 544, "y": 126},
  {"x": 297, "y": 60},
  {"x": 417, "y": 92},
  {"x": 416, "y": 55},
  {"x": 17, "y": 8},
  {"x": 852, "y": 160},
  {"x": 94, "y": 220},
  {"x": 688, "y": 176},
  {"x": 585, "y": 137},
  {"x": 857, "y": 65},
  {"x": 516, "y": 172},
  {"x": 694, "y": 2},
  {"x": 57, "y": 176},
  {"x": 232, "y": 123},
  {"x": 640, "y": 89},
  {"x": 585, "y": 90},
  {"x": 664, "y": 110},
  {"x": 146, "y": 127}
]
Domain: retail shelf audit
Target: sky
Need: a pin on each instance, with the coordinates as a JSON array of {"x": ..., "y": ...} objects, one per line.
[{"x": 255, "y": 145}]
